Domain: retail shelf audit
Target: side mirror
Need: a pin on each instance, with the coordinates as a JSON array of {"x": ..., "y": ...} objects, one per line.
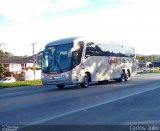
[
  {"x": 75, "y": 48},
  {"x": 86, "y": 56},
  {"x": 74, "y": 58},
  {"x": 74, "y": 53}
]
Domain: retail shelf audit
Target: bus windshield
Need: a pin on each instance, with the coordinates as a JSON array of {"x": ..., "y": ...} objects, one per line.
[{"x": 57, "y": 58}]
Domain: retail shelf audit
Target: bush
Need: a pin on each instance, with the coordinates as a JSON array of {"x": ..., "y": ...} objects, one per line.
[
  {"x": 156, "y": 71},
  {"x": 21, "y": 83}
]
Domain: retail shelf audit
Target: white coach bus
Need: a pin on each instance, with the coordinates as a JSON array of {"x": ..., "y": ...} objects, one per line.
[{"x": 79, "y": 60}]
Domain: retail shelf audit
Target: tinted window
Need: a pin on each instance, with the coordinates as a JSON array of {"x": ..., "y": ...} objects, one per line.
[
  {"x": 99, "y": 49},
  {"x": 90, "y": 49},
  {"x": 77, "y": 55},
  {"x": 57, "y": 58}
]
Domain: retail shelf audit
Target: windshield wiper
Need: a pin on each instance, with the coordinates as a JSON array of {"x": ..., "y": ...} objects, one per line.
[{"x": 58, "y": 66}]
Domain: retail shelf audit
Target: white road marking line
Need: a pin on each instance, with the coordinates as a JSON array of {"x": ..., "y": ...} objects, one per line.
[{"x": 89, "y": 107}]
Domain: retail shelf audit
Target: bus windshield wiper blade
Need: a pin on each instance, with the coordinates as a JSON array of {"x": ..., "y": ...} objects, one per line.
[{"x": 58, "y": 64}]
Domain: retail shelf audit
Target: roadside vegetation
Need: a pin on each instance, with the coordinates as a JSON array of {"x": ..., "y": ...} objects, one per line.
[
  {"x": 155, "y": 71},
  {"x": 20, "y": 83},
  {"x": 4, "y": 54},
  {"x": 149, "y": 71},
  {"x": 149, "y": 58}
]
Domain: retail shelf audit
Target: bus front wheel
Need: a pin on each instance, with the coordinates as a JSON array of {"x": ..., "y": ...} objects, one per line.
[
  {"x": 60, "y": 86},
  {"x": 85, "y": 83}
]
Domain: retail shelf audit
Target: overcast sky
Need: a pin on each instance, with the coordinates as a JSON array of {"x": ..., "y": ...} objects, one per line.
[{"x": 134, "y": 23}]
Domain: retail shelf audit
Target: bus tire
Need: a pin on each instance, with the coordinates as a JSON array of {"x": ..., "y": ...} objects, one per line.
[
  {"x": 44, "y": 84},
  {"x": 60, "y": 86},
  {"x": 127, "y": 76},
  {"x": 85, "y": 83},
  {"x": 123, "y": 77}
]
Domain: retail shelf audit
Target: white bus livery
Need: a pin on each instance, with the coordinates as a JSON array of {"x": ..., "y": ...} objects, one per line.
[{"x": 79, "y": 60}]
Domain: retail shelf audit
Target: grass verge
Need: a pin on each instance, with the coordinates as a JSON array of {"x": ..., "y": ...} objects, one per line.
[
  {"x": 156, "y": 71},
  {"x": 152, "y": 71},
  {"x": 20, "y": 83}
]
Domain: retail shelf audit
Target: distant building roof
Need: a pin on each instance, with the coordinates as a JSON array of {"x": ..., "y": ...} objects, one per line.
[{"x": 17, "y": 60}]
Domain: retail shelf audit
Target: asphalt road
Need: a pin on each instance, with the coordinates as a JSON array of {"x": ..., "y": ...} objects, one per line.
[{"x": 134, "y": 102}]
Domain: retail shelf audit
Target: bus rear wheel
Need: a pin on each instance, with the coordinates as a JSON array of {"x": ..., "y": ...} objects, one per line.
[
  {"x": 85, "y": 83},
  {"x": 122, "y": 78},
  {"x": 60, "y": 86},
  {"x": 127, "y": 75}
]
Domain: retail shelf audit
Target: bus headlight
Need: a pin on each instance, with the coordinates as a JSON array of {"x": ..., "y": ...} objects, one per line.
[
  {"x": 42, "y": 76},
  {"x": 66, "y": 76}
]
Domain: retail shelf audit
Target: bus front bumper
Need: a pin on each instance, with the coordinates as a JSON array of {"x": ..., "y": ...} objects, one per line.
[{"x": 64, "y": 79}]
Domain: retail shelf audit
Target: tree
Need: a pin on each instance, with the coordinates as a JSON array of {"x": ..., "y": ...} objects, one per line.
[
  {"x": 1, "y": 43},
  {"x": 139, "y": 58},
  {"x": 5, "y": 54},
  {"x": 1, "y": 70}
]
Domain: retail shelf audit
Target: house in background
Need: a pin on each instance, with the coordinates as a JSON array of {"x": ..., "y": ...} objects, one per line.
[
  {"x": 155, "y": 64},
  {"x": 144, "y": 64},
  {"x": 21, "y": 68}
]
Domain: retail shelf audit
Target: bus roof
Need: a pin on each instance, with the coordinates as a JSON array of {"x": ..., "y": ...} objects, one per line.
[
  {"x": 62, "y": 41},
  {"x": 93, "y": 39}
]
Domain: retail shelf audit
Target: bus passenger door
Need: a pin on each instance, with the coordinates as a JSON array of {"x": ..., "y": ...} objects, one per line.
[
  {"x": 90, "y": 61},
  {"x": 115, "y": 67},
  {"x": 89, "y": 65}
]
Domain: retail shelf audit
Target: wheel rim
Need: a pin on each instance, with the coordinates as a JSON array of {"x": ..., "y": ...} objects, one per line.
[
  {"x": 123, "y": 77},
  {"x": 127, "y": 76},
  {"x": 86, "y": 81},
  {"x": 60, "y": 86}
]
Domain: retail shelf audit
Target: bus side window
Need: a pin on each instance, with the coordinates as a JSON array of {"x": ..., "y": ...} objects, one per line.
[
  {"x": 90, "y": 49},
  {"x": 75, "y": 58},
  {"x": 77, "y": 55}
]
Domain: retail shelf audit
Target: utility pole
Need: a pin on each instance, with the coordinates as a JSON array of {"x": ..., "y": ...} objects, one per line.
[
  {"x": 34, "y": 59},
  {"x": 153, "y": 62}
]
